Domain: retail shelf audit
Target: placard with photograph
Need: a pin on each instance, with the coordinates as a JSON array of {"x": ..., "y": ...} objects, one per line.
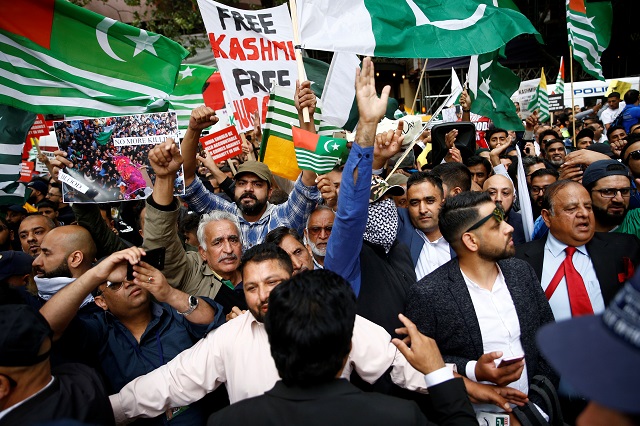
[{"x": 110, "y": 156}]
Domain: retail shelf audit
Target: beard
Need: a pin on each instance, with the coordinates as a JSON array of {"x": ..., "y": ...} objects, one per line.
[
  {"x": 318, "y": 251},
  {"x": 257, "y": 313},
  {"x": 607, "y": 219},
  {"x": 61, "y": 271},
  {"x": 495, "y": 254},
  {"x": 250, "y": 209}
]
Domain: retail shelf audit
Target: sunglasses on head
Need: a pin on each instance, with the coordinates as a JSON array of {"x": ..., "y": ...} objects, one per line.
[{"x": 497, "y": 213}]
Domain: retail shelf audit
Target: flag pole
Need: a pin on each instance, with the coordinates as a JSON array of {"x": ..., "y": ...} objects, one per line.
[
  {"x": 302, "y": 75},
  {"x": 415, "y": 98},
  {"x": 573, "y": 115}
]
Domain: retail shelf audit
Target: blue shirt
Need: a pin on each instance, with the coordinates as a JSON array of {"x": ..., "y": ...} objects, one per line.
[
  {"x": 345, "y": 242},
  {"x": 630, "y": 116}
]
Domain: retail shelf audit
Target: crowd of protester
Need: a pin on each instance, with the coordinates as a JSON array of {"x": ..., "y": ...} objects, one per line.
[{"x": 356, "y": 297}]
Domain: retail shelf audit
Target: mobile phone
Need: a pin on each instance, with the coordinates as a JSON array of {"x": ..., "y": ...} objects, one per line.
[
  {"x": 153, "y": 257},
  {"x": 510, "y": 361}
]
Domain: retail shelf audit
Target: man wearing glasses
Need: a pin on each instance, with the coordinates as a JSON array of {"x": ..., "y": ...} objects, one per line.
[
  {"x": 316, "y": 234},
  {"x": 483, "y": 308}
]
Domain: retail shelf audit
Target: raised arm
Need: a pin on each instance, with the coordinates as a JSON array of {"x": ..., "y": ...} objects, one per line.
[{"x": 201, "y": 118}]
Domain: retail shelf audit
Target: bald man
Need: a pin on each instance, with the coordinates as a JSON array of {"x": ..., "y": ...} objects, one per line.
[
  {"x": 66, "y": 252},
  {"x": 32, "y": 231},
  {"x": 500, "y": 188}
]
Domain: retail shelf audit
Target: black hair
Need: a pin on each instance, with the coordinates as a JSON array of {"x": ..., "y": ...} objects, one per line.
[
  {"x": 106, "y": 207},
  {"x": 544, "y": 172},
  {"x": 56, "y": 185},
  {"x": 631, "y": 97},
  {"x": 474, "y": 160},
  {"x": 454, "y": 175},
  {"x": 547, "y": 133},
  {"x": 430, "y": 177},
  {"x": 552, "y": 190},
  {"x": 310, "y": 325},
  {"x": 276, "y": 235},
  {"x": 614, "y": 128},
  {"x": 614, "y": 95},
  {"x": 491, "y": 132},
  {"x": 266, "y": 251},
  {"x": 530, "y": 160},
  {"x": 47, "y": 203},
  {"x": 189, "y": 223},
  {"x": 459, "y": 213}
]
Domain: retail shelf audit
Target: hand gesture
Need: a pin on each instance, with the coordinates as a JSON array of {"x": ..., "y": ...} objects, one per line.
[
  {"x": 114, "y": 267},
  {"x": 165, "y": 158},
  {"x": 531, "y": 121},
  {"x": 571, "y": 172},
  {"x": 327, "y": 190},
  {"x": 59, "y": 163},
  {"x": 235, "y": 312},
  {"x": 480, "y": 393},
  {"x": 151, "y": 279},
  {"x": 423, "y": 354},
  {"x": 465, "y": 100},
  {"x": 201, "y": 118},
  {"x": 450, "y": 138},
  {"x": 453, "y": 156},
  {"x": 616, "y": 147},
  {"x": 256, "y": 133},
  {"x": 530, "y": 149},
  {"x": 584, "y": 157},
  {"x": 371, "y": 109},
  {"x": 305, "y": 98},
  {"x": 207, "y": 160},
  {"x": 486, "y": 370},
  {"x": 495, "y": 153},
  {"x": 425, "y": 136},
  {"x": 388, "y": 144}
]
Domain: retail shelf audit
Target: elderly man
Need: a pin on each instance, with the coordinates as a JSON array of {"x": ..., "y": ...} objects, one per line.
[
  {"x": 555, "y": 152},
  {"x": 317, "y": 232},
  {"x": 484, "y": 306},
  {"x": 290, "y": 241},
  {"x": 500, "y": 189},
  {"x": 213, "y": 270},
  {"x": 32, "y": 231}
]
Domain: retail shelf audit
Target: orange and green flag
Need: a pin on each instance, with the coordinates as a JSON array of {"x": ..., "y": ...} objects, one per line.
[
  {"x": 589, "y": 30},
  {"x": 318, "y": 153}
]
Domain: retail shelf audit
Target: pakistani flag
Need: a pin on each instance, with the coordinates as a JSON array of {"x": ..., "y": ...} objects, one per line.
[
  {"x": 14, "y": 126},
  {"x": 59, "y": 58},
  {"x": 104, "y": 136},
  {"x": 491, "y": 86},
  {"x": 589, "y": 29},
  {"x": 318, "y": 153},
  {"x": 410, "y": 28},
  {"x": 560, "y": 78},
  {"x": 187, "y": 94},
  {"x": 540, "y": 100}
]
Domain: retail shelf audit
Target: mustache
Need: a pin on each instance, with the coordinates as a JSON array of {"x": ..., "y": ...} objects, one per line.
[
  {"x": 249, "y": 195},
  {"x": 230, "y": 257}
]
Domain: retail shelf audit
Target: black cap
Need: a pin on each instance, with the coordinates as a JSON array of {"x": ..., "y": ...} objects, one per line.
[
  {"x": 603, "y": 168},
  {"x": 22, "y": 332},
  {"x": 14, "y": 263}
]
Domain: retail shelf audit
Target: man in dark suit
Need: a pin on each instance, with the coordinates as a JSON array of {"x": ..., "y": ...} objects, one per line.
[
  {"x": 418, "y": 223},
  {"x": 310, "y": 356},
  {"x": 484, "y": 308}
]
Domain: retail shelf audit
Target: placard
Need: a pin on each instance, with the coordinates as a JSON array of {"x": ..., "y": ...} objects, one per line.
[
  {"x": 223, "y": 144},
  {"x": 110, "y": 156},
  {"x": 39, "y": 128},
  {"x": 26, "y": 171},
  {"x": 556, "y": 103}
]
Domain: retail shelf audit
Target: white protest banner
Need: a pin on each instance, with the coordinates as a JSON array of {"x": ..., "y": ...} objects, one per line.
[
  {"x": 74, "y": 183},
  {"x": 40, "y": 166},
  {"x": 142, "y": 140},
  {"x": 223, "y": 144},
  {"x": 252, "y": 49}
]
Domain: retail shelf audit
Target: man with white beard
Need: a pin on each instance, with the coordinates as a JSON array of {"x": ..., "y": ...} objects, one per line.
[{"x": 317, "y": 233}]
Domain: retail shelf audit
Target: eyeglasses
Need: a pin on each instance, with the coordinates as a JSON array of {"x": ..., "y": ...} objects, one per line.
[
  {"x": 634, "y": 155},
  {"x": 315, "y": 230},
  {"x": 612, "y": 192},
  {"x": 111, "y": 286},
  {"x": 538, "y": 189},
  {"x": 497, "y": 214}
]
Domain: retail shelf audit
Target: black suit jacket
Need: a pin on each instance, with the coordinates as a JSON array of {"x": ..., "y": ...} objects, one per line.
[
  {"x": 341, "y": 403},
  {"x": 606, "y": 250},
  {"x": 441, "y": 307}
]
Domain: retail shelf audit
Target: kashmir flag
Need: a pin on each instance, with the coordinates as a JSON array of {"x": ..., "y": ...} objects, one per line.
[
  {"x": 410, "y": 28},
  {"x": 540, "y": 100},
  {"x": 14, "y": 126},
  {"x": 103, "y": 137},
  {"x": 277, "y": 150},
  {"x": 318, "y": 153},
  {"x": 589, "y": 30},
  {"x": 187, "y": 95},
  {"x": 59, "y": 58},
  {"x": 560, "y": 78},
  {"x": 491, "y": 86}
]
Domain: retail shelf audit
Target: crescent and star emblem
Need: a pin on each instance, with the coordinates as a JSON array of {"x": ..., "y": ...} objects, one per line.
[{"x": 448, "y": 24}]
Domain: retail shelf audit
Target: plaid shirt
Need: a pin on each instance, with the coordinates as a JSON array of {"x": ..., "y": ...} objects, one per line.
[{"x": 293, "y": 213}]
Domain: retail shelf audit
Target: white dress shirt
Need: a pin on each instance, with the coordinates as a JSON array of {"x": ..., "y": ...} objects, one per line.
[
  {"x": 433, "y": 255},
  {"x": 608, "y": 115},
  {"x": 554, "y": 255},
  {"x": 238, "y": 354}
]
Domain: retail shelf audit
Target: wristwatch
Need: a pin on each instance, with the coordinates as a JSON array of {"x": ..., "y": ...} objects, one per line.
[{"x": 193, "y": 304}]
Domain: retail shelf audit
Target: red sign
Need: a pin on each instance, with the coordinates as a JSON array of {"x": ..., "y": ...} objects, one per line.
[
  {"x": 26, "y": 170},
  {"x": 223, "y": 144},
  {"x": 39, "y": 128}
]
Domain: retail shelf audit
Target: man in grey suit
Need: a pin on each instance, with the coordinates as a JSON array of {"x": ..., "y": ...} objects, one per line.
[{"x": 484, "y": 308}]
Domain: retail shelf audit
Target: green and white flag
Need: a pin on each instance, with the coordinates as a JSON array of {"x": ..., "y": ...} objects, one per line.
[
  {"x": 59, "y": 58},
  {"x": 318, "y": 153},
  {"x": 560, "y": 78},
  {"x": 187, "y": 94},
  {"x": 540, "y": 100},
  {"x": 14, "y": 126},
  {"x": 410, "y": 28},
  {"x": 105, "y": 135},
  {"x": 589, "y": 30},
  {"x": 491, "y": 86}
]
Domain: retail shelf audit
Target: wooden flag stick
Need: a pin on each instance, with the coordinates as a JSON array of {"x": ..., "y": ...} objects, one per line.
[
  {"x": 573, "y": 115},
  {"x": 424, "y": 68},
  {"x": 302, "y": 75},
  {"x": 36, "y": 143}
]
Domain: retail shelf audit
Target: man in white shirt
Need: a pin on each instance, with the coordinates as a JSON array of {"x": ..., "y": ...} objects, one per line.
[
  {"x": 483, "y": 308},
  {"x": 615, "y": 107},
  {"x": 418, "y": 223}
]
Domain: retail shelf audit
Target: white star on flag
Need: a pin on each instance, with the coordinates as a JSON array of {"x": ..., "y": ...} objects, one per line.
[
  {"x": 187, "y": 72},
  {"x": 144, "y": 42},
  {"x": 335, "y": 146}
]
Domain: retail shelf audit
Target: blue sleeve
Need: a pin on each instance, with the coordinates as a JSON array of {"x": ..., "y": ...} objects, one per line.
[
  {"x": 345, "y": 242},
  {"x": 202, "y": 201}
]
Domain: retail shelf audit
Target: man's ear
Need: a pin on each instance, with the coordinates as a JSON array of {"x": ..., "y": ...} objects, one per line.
[
  {"x": 99, "y": 300},
  {"x": 470, "y": 241},
  {"x": 456, "y": 191},
  {"x": 546, "y": 216},
  {"x": 75, "y": 259},
  {"x": 5, "y": 386}
]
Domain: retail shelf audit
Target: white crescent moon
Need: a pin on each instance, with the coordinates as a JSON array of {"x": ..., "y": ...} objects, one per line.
[
  {"x": 325, "y": 145},
  {"x": 448, "y": 24},
  {"x": 102, "y": 30}
]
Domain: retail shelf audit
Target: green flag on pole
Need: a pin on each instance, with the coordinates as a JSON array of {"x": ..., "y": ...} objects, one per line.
[
  {"x": 540, "y": 99},
  {"x": 59, "y": 58},
  {"x": 318, "y": 153},
  {"x": 589, "y": 30},
  {"x": 14, "y": 126},
  {"x": 187, "y": 94},
  {"x": 104, "y": 136},
  {"x": 491, "y": 86}
]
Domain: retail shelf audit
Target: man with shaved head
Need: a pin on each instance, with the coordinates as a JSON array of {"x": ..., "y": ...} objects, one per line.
[
  {"x": 501, "y": 190},
  {"x": 32, "y": 231}
]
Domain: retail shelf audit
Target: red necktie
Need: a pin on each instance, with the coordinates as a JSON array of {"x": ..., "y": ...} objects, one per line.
[{"x": 578, "y": 296}]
